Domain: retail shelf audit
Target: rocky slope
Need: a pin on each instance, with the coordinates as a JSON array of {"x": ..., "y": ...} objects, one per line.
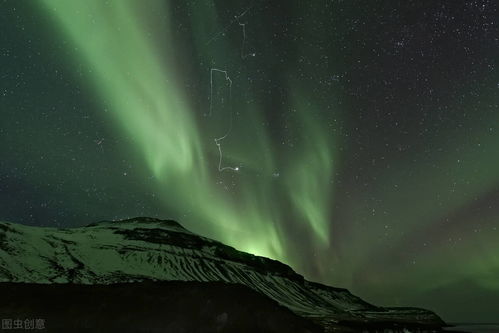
[{"x": 143, "y": 249}]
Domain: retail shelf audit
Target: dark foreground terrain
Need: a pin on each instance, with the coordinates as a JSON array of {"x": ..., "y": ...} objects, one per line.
[
  {"x": 149, "y": 307},
  {"x": 155, "y": 306}
]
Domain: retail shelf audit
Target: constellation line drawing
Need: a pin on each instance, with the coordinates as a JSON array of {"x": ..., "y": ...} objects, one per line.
[
  {"x": 243, "y": 44},
  {"x": 236, "y": 17},
  {"x": 218, "y": 140},
  {"x": 244, "y": 55}
]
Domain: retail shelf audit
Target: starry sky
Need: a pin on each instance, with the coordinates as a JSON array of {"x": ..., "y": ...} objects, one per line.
[{"x": 356, "y": 141}]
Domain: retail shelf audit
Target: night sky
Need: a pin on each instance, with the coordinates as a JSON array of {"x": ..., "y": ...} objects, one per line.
[{"x": 356, "y": 141}]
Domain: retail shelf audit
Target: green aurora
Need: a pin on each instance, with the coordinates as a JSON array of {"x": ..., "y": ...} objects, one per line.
[
  {"x": 395, "y": 227},
  {"x": 140, "y": 82}
]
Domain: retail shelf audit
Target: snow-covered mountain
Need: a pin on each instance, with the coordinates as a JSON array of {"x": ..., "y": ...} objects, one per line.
[{"x": 151, "y": 249}]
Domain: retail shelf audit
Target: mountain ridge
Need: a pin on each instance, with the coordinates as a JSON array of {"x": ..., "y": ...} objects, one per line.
[{"x": 142, "y": 248}]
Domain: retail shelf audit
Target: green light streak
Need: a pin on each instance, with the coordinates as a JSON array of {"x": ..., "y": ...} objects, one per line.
[
  {"x": 310, "y": 182},
  {"x": 138, "y": 79}
]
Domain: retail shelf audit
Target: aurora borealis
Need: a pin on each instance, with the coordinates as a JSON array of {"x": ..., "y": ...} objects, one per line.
[{"x": 364, "y": 134}]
